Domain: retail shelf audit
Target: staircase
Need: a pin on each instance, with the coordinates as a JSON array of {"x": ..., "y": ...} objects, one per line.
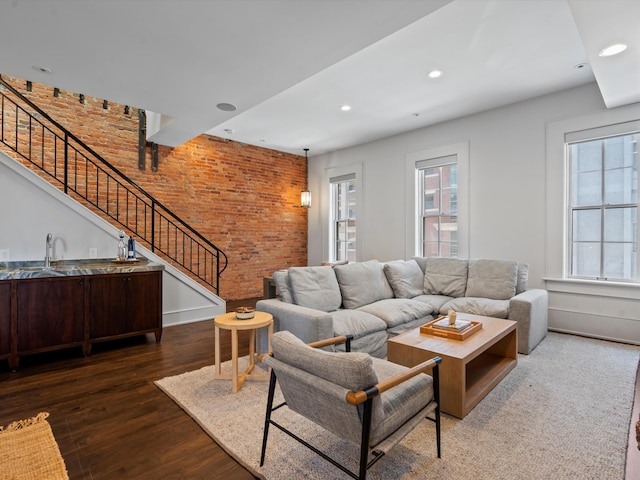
[{"x": 29, "y": 134}]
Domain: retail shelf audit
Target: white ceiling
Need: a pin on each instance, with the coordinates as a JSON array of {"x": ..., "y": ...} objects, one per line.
[{"x": 288, "y": 65}]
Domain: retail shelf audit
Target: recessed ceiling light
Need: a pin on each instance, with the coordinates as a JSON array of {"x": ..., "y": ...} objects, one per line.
[
  {"x": 435, "y": 73},
  {"x": 345, "y": 108},
  {"x": 416, "y": 114},
  {"x": 227, "y": 107},
  {"x": 613, "y": 50},
  {"x": 41, "y": 69},
  {"x": 228, "y": 130}
]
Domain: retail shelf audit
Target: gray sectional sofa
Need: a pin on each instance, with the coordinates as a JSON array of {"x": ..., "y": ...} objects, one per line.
[{"x": 373, "y": 300}]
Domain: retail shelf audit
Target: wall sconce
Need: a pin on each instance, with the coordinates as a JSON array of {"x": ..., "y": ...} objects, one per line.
[
  {"x": 305, "y": 195},
  {"x": 305, "y": 199}
]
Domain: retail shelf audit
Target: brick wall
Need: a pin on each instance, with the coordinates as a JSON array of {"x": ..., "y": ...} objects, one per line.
[{"x": 244, "y": 199}]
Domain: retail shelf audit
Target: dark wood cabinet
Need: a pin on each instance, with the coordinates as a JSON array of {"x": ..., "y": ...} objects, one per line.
[
  {"x": 124, "y": 305},
  {"x": 38, "y": 315},
  {"x": 49, "y": 313},
  {"x": 5, "y": 320}
]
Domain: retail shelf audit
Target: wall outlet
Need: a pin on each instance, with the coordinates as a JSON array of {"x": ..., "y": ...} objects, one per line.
[
  {"x": 5, "y": 255},
  {"x": 93, "y": 253}
]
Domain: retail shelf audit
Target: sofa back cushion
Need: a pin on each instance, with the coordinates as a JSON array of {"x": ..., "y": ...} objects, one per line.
[
  {"x": 281, "y": 279},
  {"x": 405, "y": 277},
  {"x": 422, "y": 262},
  {"x": 361, "y": 283},
  {"x": 496, "y": 279},
  {"x": 523, "y": 278},
  {"x": 445, "y": 276},
  {"x": 315, "y": 287}
]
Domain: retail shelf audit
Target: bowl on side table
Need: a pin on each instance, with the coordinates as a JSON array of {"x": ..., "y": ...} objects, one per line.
[{"x": 245, "y": 313}]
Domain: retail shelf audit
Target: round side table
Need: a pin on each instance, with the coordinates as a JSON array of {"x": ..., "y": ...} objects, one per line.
[{"x": 228, "y": 321}]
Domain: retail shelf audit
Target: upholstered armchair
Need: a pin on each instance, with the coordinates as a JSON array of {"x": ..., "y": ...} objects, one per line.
[{"x": 368, "y": 401}]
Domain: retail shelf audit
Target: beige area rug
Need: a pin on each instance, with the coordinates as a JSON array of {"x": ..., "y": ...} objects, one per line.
[
  {"x": 28, "y": 451},
  {"x": 563, "y": 413}
]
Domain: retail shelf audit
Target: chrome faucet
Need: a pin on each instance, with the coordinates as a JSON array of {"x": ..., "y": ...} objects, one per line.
[{"x": 47, "y": 254}]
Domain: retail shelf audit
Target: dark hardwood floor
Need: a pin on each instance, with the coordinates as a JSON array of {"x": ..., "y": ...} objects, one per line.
[{"x": 109, "y": 418}]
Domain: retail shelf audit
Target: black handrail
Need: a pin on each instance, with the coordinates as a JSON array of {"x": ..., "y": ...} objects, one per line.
[{"x": 83, "y": 170}]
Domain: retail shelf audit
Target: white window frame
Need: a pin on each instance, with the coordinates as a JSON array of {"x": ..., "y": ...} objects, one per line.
[
  {"x": 327, "y": 213},
  {"x": 595, "y": 134},
  {"x": 413, "y": 218},
  {"x": 421, "y": 167},
  {"x": 557, "y": 261},
  {"x": 333, "y": 228}
]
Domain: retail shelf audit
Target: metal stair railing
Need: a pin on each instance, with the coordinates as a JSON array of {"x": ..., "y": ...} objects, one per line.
[{"x": 81, "y": 173}]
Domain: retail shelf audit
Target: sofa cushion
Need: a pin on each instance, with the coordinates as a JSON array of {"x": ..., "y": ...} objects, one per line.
[
  {"x": 360, "y": 283},
  {"x": 356, "y": 323},
  {"x": 445, "y": 276},
  {"x": 477, "y": 306},
  {"x": 496, "y": 279},
  {"x": 315, "y": 287},
  {"x": 395, "y": 311},
  {"x": 404, "y": 327},
  {"x": 375, "y": 344},
  {"x": 436, "y": 301},
  {"x": 405, "y": 277},
  {"x": 281, "y": 279},
  {"x": 523, "y": 278},
  {"x": 422, "y": 262}
]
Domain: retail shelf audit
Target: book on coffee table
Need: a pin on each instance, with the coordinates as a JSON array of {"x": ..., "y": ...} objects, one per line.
[{"x": 444, "y": 324}]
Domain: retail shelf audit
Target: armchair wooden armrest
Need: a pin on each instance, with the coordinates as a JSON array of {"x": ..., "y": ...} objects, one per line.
[
  {"x": 330, "y": 341},
  {"x": 333, "y": 341},
  {"x": 356, "y": 398}
]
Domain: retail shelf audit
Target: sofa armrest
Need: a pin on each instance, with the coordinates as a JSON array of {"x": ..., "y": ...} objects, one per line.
[
  {"x": 530, "y": 309},
  {"x": 307, "y": 324}
]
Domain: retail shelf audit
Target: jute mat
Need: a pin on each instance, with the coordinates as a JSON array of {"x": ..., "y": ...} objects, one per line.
[
  {"x": 563, "y": 413},
  {"x": 28, "y": 451}
]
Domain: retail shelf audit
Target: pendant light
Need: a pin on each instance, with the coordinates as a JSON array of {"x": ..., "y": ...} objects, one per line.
[{"x": 305, "y": 195}]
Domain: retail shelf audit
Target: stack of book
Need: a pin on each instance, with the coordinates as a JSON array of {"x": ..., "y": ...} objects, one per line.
[{"x": 459, "y": 326}]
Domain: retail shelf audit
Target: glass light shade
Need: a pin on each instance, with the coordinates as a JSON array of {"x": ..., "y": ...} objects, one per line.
[{"x": 305, "y": 199}]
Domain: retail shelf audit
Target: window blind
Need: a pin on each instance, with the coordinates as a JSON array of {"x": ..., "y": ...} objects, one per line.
[
  {"x": 601, "y": 132},
  {"x": 432, "y": 162},
  {"x": 342, "y": 178}
]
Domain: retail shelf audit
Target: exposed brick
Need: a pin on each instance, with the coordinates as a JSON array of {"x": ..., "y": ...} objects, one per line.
[{"x": 244, "y": 199}]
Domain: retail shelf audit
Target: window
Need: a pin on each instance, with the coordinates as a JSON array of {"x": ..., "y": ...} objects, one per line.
[
  {"x": 603, "y": 206},
  {"x": 438, "y": 206},
  {"x": 343, "y": 217}
]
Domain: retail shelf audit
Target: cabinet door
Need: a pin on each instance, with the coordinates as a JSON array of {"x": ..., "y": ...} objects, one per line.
[
  {"x": 144, "y": 301},
  {"x": 50, "y": 312},
  {"x": 5, "y": 318},
  {"x": 107, "y": 305}
]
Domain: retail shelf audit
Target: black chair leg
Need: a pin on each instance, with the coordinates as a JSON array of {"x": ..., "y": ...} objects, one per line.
[
  {"x": 267, "y": 417},
  {"x": 364, "y": 443},
  {"x": 436, "y": 394}
]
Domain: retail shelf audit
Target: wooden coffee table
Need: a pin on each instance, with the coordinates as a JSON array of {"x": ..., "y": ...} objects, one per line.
[{"x": 470, "y": 368}]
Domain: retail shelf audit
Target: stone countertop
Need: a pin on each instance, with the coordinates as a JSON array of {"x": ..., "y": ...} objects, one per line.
[{"x": 69, "y": 268}]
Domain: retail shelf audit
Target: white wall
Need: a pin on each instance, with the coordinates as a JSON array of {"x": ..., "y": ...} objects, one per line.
[
  {"x": 30, "y": 208},
  {"x": 507, "y": 192}
]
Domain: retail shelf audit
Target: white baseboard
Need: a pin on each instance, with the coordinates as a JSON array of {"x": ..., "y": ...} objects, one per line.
[
  {"x": 604, "y": 327},
  {"x": 192, "y": 315}
]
